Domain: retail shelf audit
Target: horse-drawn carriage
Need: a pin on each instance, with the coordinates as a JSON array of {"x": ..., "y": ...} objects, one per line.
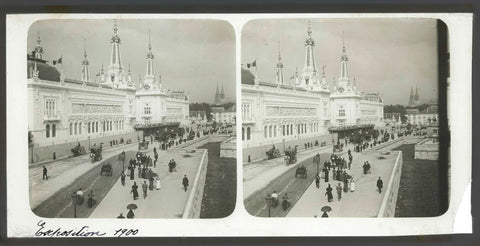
[
  {"x": 143, "y": 158},
  {"x": 107, "y": 169},
  {"x": 301, "y": 172},
  {"x": 143, "y": 145},
  {"x": 291, "y": 155},
  {"x": 338, "y": 147},
  {"x": 96, "y": 153},
  {"x": 78, "y": 150},
  {"x": 273, "y": 153}
]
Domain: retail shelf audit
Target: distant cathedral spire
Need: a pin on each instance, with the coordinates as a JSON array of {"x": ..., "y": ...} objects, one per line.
[{"x": 85, "y": 71}]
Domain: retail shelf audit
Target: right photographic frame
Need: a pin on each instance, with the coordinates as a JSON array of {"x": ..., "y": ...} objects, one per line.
[{"x": 345, "y": 117}]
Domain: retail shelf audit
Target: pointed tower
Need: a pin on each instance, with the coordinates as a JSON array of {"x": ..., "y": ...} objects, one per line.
[
  {"x": 38, "y": 48},
  {"x": 309, "y": 73},
  {"x": 411, "y": 101},
  {"x": 222, "y": 94},
  {"x": 279, "y": 74},
  {"x": 344, "y": 80},
  {"x": 129, "y": 78},
  {"x": 115, "y": 69},
  {"x": 149, "y": 80},
  {"x": 85, "y": 71},
  {"x": 417, "y": 97},
  {"x": 217, "y": 97}
]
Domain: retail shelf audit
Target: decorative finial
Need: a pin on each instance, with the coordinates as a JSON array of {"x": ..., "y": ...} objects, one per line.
[
  {"x": 129, "y": 68},
  {"x": 149, "y": 42},
  {"x": 323, "y": 70},
  {"x": 38, "y": 32},
  {"x": 343, "y": 38},
  {"x": 279, "y": 57},
  {"x": 115, "y": 29},
  {"x": 309, "y": 29},
  {"x": 85, "y": 48}
]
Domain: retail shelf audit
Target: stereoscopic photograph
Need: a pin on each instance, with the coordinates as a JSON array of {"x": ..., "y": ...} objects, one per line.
[
  {"x": 340, "y": 118},
  {"x": 131, "y": 118}
]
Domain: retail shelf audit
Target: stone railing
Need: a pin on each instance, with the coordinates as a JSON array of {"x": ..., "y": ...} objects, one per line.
[
  {"x": 389, "y": 202},
  {"x": 194, "y": 203}
]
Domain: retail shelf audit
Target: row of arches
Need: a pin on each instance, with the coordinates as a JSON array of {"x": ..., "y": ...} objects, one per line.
[
  {"x": 246, "y": 136},
  {"x": 270, "y": 131}
]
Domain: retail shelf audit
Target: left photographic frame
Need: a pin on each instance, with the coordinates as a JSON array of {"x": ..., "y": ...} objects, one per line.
[{"x": 117, "y": 124}]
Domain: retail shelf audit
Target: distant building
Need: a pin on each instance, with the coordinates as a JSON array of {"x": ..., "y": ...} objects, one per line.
[
  {"x": 222, "y": 115},
  {"x": 425, "y": 117}
]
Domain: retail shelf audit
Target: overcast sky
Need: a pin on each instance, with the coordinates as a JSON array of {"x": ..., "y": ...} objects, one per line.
[
  {"x": 194, "y": 55},
  {"x": 385, "y": 55}
]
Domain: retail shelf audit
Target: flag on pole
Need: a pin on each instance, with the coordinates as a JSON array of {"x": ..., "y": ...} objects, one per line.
[
  {"x": 253, "y": 64},
  {"x": 57, "y": 61}
]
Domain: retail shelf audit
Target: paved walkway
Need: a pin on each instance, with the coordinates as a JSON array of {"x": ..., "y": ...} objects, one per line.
[
  {"x": 365, "y": 201},
  {"x": 167, "y": 202},
  {"x": 258, "y": 175},
  {"x": 63, "y": 172}
]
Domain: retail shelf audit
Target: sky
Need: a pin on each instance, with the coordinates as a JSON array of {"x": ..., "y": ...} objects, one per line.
[
  {"x": 190, "y": 55},
  {"x": 384, "y": 55}
]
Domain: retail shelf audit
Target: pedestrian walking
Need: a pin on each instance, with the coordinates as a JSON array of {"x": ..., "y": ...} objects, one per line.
[
  {"x": 352, "y": 185},
  {"x": 328, "y": 193},
  {"x": 144, "y": 188},
  {"x": 132, "y": 172},
  {"x": 158, "y": 185},
  {"x": 345, "y": 185},
  {"x": 339, "y": 191},
  {"x": 317, "y": 181},
  {"x": 122, "y": 178},
  {"x": 379, "y": 185},
  {"x": 45, "y": 176},
  {"x": 185, "y": 182},
  {"x": 326, "y": 175},
  {"x": 134, "y": 190}
]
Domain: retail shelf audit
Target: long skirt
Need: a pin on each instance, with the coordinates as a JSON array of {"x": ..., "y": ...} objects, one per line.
[
  {"x": 135, "y": 194},
  {"x": 352, "y": 186},
  {"x": 326, "y": 177},
  {"x": 132, "y": 175},
  {"x": 329, "y": 196}
]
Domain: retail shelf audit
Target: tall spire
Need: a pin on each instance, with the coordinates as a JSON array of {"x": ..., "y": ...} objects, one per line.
[
  {"x": 309, "y": 73},
  {"x": 115, "y": 69},
  {"x": 222, "y": 94},
  {"x": 38, "y": 48},
  {"x": 279, "y": 74},
  {"x": 150, "y": 74},
  {"x": 417, "y": 97},
  {"x": 344, "y": 79},
  {"x": 85, "y": 70}
]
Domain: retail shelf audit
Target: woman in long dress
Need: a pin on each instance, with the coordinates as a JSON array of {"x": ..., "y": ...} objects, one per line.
[
  {"x": 328, "y": 193},
  {"x": 134, "y": 190},
  {"x": 352, "y": 185},
  {"x": 158, "y": 185}
]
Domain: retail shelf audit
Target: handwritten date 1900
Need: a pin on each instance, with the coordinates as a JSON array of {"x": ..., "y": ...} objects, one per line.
[{"x": 125, "y": 232}]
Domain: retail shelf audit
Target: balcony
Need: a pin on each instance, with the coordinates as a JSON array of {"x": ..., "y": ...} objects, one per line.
[{"x": 51, "y": 117}]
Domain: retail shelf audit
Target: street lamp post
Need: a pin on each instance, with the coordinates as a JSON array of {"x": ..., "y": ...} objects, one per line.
[{"x": 74, "y": 201}]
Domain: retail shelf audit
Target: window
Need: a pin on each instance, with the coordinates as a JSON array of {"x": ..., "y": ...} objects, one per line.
[
  {"x": 341, "y": 112},
  {"x": 248, "y": 133},
  {"x": 96, "y": 126},
  {"x": 76, "y": 130},
  {"x": 54, "y": 130},
  {"x": 103, "y": 126},
  {"x": 146, "y": 109},
  {"x": 243, "y": 133},
  {"x": 47, "y": 131},
  {"x": 88, "y": 127},
  {"x": 283, "y": 130},
  {"x": 274, "y": 131},
  {"x": 265, "y": 131},
  {"x": 71, "y": 129},
  {"x": 110, "y": 125},
  {"x": 80, "y": 128},
  {"x": 270, "y": 131},
  {"x": 50, "y": 107}
]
